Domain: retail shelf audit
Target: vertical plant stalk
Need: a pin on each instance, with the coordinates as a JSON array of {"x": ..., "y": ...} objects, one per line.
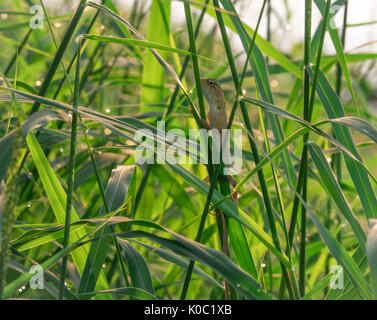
[
  {"x": 71, "y": 172},
  {"x": 336, "y": 157},
  {"x": 59, "y": 54},
  {"x": 213, "y": 175},
  {"x": 198, "y": 237},
  {"x": 56, "y": 61},
  {"x": 269, "y": 9},
  {"x": 107, "y": 209},
  {"x": 18, "y": 50},
  {"x": 309, "y": 97},
  {"x": 9, "y": 195},
  {"x": 194, "y": 59},
  {"x": 185, "y": 64},
  {"x": 268, "y": 255},
  {"x": 304, "y": 157},
  {"x": 74, "y": 58},
  {"x": 254, "y": 149},
  {"x": 8, "y": 212}
]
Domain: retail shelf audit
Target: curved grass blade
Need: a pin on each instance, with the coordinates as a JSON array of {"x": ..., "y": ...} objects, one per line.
[
  {"x": 57, "y": 197},
  {"x": 334, "y": 109},
  {"x": 176, "y": 259},
  {"x": 137, "y": 266},
  {"x": 117, "y": 189},
  {"x": 338, "y": 47},
  {"x": 332, "y": 187}
]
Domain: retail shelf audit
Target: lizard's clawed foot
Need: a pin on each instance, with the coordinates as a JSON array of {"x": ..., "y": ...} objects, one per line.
[{"x": 205, "y": 124}]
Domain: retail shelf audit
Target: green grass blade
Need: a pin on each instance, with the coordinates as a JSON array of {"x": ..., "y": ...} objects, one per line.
[
  {"x": 153, "y": 73},
  {"x": 116, "y": 192},
  {"x": 57, "y": 197},
  {"x": 333, "y": 188},
  {"x": 137, "y": 266},
  {"x": 334, "y": 109}
]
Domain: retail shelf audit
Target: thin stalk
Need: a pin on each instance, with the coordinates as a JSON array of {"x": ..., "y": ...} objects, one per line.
[
  {"x": 55, "y": 43},
  {"x": 8, "y": 214},
  {"x": 71, "y": 171},
  {"x": 215, "y": 175},
  {"x": 185, "y": 63},
  {"x": 304, "y": 157},
  {"x": 253, "y": 146},
  {"x": 194, "y": 60},
  {"x": 336, "y": 158},
  {"x": 309, "y": 98},
  {"x": 59, "y": 54},
  {"x": 18, "y": 50},
  {"x": 56, "y": 61},
  {"x": 74, "y": 57},
  {"x": 268, "y": 23},
  {"x": 107, "y": 209},
  {"x": 200, "y": 230}
]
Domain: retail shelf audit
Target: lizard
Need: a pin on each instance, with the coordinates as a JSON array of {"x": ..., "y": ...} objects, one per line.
[
  {"x": 217, "y": 119},
  {"x": 216, "y": 115}
]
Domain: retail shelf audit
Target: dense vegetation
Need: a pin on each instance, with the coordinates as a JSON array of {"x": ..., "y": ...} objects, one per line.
[{"x": 74, "y": 201}]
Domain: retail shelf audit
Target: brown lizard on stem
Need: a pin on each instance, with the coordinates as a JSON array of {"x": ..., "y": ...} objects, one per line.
[
  {"x": 216, "y": 115},
  {"x": 217, "y": 119}
]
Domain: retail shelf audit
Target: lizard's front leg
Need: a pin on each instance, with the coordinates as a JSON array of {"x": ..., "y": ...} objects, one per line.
[{"x": 205, "y": 124}]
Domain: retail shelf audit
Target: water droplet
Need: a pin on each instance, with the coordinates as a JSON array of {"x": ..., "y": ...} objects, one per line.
[
  {"x": 288, "y": 27},
  {"x": 65, "y": 283},
  {"x": 38, "y": 83},
  {"x": 104, "y": 266},
  {"x": 238, "y": 285},
  {"x": 107, "y": 110},
  {"x": 263, "y": 265},
  {"x": 20, "y": 290},
  {"x": 274, "y": 83},
  {"x": 29, "y": 204}
]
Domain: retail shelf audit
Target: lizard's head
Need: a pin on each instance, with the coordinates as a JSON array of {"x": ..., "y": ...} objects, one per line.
[{"x": 211, "y": 90}]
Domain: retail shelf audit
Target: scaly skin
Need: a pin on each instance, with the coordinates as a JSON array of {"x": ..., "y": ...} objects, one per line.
[
  {"x": 216, "y": 115},
  {"x": 217, "y": 119}
]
